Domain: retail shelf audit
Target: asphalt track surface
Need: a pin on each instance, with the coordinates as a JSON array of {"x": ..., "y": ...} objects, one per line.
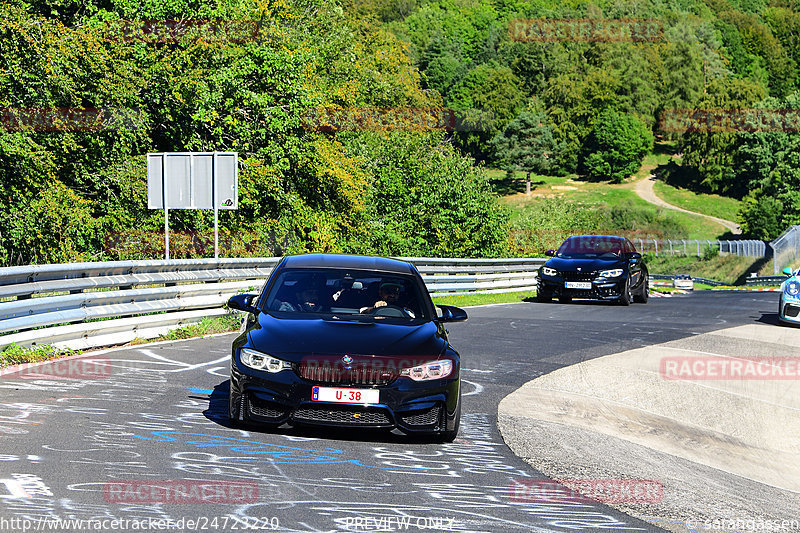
[{"x": 82, "y": 448}]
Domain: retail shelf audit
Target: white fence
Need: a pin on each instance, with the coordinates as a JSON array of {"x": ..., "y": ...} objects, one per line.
[
  {"x": 746, "y": 248},
  {"x": 85, "y": 305}
]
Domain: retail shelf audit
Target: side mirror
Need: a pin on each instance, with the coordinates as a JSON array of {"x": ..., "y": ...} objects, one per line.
[
  {"x": 788, "y": 271},
  {"x": 635, "y": 256},
  {"x": 243, "y": 302},
  {"x": 451, "y": 313},
  {"x": 550, "y": 253}
]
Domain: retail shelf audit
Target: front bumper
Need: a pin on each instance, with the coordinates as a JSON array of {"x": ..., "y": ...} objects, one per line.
[
  {"x": 789, "y": 310},
  {"x": 285, "y": 397},
  {"x": 601, "y": 288}
]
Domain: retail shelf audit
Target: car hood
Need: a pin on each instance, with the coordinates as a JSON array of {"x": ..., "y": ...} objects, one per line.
[
  {"x": 292, "y": 339},
  {"x": 586, "y": 265}
]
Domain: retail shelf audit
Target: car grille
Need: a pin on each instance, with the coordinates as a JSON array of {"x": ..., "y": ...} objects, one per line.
[
  {"x": 336, "y": 374},
  {"x": 578, "y": 276},
  {"x": 264, "y": 409},
  {"x": 427, "y": 417},
  {"x": 343, "y": 415}
]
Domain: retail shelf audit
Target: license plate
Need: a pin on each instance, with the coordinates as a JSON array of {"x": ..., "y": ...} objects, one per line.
[
  {"x": 577, "y": 284},
  {"x": 332, "y": 394}
]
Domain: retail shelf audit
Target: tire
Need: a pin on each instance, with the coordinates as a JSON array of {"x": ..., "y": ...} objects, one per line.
[
  {"x": 626, "y": 296},
  {"x": 644, "y": 293},
  {"x": 564, "y": 299},
  {"x": 544, "y": 297},
  {"x": 236, "y": 416},
  {"x": 450, "y": 435}
]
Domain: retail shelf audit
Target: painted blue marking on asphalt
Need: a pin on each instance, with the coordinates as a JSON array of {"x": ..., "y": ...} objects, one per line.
[
  {"x": 201, "y": 391},
  {"x": 263, "y": 452}
]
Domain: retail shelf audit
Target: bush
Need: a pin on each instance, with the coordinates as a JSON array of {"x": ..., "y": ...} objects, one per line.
[{"x": 615, "y": 148}]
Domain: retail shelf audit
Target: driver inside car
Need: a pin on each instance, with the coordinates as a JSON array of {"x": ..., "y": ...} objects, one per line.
[
  {"x": 388, "y": 295},
  {"x": 307, "y": 299}
]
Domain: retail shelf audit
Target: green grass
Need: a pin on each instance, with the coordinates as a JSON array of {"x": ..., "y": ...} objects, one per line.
[
  {"x": 16, "y": 355},
  {"x": 708, "y": 204},
  {"x": 606, "y": 195},
  {"x": 728, "y": 269},
  {"x": 466, "y": 300},
  {"x": 207, "y": 326}
]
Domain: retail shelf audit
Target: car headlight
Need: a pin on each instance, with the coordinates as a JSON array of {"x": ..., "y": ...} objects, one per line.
[
  {"x": 547, "y": 271},
  {"x": 262, "y": 361},
  {"x": 792, "y": 288},
  {"x": 433, "y": 370},
  {"x": 617, "y": 272}
]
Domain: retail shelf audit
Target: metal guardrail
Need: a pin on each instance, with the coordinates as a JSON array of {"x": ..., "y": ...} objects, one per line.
[
  {"x": 85, "y": 305},
  {"x": 765, "y": 280},
  {"x": 706, "y": 281}
]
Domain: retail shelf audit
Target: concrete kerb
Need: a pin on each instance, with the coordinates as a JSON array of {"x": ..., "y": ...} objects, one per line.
[{"x": 591, "y": 419}]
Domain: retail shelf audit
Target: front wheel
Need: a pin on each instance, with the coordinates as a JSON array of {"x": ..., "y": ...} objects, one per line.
[
  {"x": 451, "y": 434},
  {"x": 543, "y": 297},
  {"x": 644, "y": 293},
  {"x": 626, "y": 296},
  {"x": 236, "y": 410}
]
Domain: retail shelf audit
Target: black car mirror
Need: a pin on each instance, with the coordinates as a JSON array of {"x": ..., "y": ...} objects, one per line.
[
  {"x": 636, "y": 255},
  {"x": 243, "y": 302},
  {"x": 550, "y": 253},
  {"x": 451, "y": 313}
]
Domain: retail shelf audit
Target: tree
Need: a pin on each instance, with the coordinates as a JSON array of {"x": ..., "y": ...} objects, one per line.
[
  {"x": 769, "y": 163},
  {"x": 527, "y": 144},
  {"x": 616, "y": 147},
  {"x": 710, "y": 153}
]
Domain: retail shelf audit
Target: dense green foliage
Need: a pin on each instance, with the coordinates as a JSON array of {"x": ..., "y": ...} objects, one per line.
[
  {"x": 712, "y": 54},
  {"x": 81, "y": 195},
  {"x": 616, "y": 147},
  {"x": 523, "y": 104}
]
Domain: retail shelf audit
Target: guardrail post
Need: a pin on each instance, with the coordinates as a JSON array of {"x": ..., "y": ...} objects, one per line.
[
  {"x": 655, "y": 242},
  {"x": 684, "y": 246},
  {"x": 671, "y": 253}
]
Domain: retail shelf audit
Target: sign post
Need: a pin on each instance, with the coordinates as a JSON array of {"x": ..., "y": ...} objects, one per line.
[{"x": 192, "y": 180}]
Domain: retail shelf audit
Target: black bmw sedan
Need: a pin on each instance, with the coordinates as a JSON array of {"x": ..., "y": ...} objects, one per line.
[
  {"x": 341, "y": 340},
  {"x": 600, "y": 267}
]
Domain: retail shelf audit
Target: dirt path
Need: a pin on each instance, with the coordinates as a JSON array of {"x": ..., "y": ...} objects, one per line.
[{"x": 644, "y": 188}]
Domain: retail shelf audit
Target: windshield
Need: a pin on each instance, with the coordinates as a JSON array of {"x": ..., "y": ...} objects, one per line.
[
  {"x": 590, "y": 246},
  {"x": 346, "y": 294}
]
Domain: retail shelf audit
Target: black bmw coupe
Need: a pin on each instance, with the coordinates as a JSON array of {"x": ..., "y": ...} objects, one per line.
[
  {"x": 340, "y": 340},
  {"x": 599, "y": 267}
]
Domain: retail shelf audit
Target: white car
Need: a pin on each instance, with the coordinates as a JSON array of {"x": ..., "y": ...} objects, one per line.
[{"x": 683, "y": 281}]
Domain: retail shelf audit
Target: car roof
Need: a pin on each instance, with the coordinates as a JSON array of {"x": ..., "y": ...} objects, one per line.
[
  {"x": 361, "y": 262},
  {"x": 617, "y": 237}
]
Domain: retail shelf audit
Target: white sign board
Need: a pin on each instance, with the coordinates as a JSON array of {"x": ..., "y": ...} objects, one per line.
[{"x": 193, "y": 180}]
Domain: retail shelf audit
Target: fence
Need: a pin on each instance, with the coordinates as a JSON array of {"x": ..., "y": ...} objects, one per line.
[
  {"x": 85, "y": 305},
  {"x": 786, "y": 249},
  {"x": 746, "y": 248}
]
